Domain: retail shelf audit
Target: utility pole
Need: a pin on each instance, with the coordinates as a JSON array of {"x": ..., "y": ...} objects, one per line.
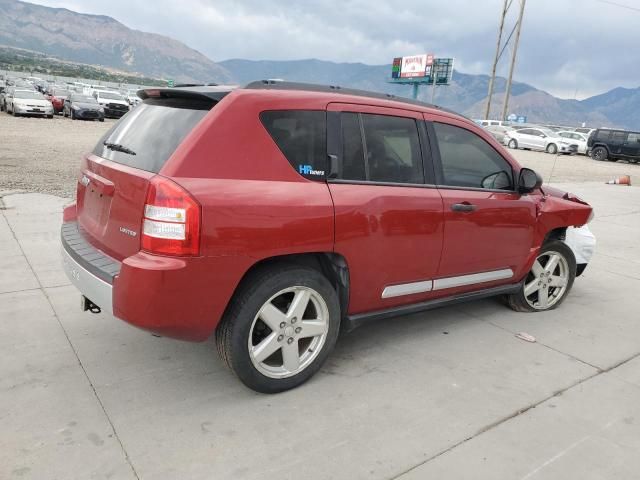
[
  {"x": 507, "y": 93},
  {"x": 495, "y": 59}
]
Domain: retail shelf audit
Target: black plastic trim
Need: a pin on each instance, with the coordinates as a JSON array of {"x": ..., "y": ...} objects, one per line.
[
  {"x": 352, "y": 322},
  {"x": 89, "y": 257}
]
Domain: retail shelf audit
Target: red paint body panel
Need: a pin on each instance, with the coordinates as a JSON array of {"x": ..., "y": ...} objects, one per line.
[
  {"x": 388, "y": 235},
  {"x": 499, "y": 234},
  {"x": 176, "y": 297},
  {"x": 57, "y": 102},
  {"x": 255, "y": 206}
]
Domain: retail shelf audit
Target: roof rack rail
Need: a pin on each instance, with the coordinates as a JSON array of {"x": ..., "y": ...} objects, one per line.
[{"x": 272, "y": 84}]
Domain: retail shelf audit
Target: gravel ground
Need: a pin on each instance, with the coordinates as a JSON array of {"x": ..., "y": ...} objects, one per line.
[{"x": 42, "y": 155}]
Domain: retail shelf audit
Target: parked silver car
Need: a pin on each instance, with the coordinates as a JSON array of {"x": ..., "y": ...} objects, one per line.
[{"x": 541, "y": 139}]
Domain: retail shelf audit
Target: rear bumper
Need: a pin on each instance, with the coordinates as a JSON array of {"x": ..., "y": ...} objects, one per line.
[
  {"x": 182, "y": 298},
  {"x": 91, "y": 271},
  {"x": 95, "y": 289}
]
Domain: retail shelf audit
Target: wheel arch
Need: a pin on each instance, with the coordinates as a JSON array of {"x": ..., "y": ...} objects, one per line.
[
  {"x": 558, "y": 233},
  {"x": 603, "y": 145},
  {"x": 332, "y": 265}
]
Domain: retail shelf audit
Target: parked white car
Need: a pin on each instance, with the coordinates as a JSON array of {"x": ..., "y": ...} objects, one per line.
[
  {"x": 541, "y": 139},
  {"x": 114, "y": 104},
  {"x": 579, "y": 139},
  {"x": 132, "y": 97},
  {"x": 28, "y": 102}
]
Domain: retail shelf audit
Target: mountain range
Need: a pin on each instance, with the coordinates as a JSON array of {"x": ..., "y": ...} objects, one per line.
[{"x": 102, "y": 40}]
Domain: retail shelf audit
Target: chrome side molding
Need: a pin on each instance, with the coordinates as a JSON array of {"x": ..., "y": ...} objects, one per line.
[
  {"x": 407, "y": 289},
  {"x": 444, "y": 283}
]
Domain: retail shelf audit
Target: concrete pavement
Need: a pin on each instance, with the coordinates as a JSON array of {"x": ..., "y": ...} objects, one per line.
[{"x": 450, "y": 393}]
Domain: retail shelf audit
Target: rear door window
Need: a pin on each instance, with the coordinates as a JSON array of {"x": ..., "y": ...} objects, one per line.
[
  {"x": 301, "y": 137},
  {"x": 392, "y": 149},
  {"x": 619, "y": 137},
  {"x": 147, "y": 136}
]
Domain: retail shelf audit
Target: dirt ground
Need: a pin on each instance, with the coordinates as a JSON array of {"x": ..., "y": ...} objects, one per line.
[{"x": 42, "y": 155}]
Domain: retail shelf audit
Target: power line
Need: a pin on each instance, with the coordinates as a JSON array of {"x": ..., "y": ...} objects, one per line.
[{"x": 628, "y": 7}]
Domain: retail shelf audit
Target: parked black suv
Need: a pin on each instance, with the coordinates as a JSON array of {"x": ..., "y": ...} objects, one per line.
[{"x": 607, "y": 144}]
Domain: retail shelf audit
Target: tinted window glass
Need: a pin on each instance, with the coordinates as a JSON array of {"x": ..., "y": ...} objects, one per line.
[
  {"x": 352, "y": 166},
  {"x": 152, "y": 132},
  {"x": 602, "y": 134},
  {"x": 633, "y": 138},
  {"x": 469, "y": 161},
  {"x": 301, "y": 137},
  {"x": 392, "y": 149},
  {"x": 619, "y": 137}
]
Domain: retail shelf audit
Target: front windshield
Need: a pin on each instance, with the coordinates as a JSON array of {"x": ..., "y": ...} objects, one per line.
[
  {"x": 110, "y": 96},
  {"x": 548, "y": 133},
  {"x": 28, "y": 95},
  {"x": 84, "y": 99}
]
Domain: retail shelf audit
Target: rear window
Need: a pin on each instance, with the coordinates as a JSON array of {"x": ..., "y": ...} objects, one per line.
[
  {"x": 146, "y": 137},
  {"x": 301, "y": 137}
]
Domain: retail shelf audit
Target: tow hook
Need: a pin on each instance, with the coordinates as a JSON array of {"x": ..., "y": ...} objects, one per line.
[{"x": 86, "y": 304}]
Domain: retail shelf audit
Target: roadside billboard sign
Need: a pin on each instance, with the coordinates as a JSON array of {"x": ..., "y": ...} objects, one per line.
[
  {"x": 414, "y": 66},
  {"x": 425, "y": 68}
]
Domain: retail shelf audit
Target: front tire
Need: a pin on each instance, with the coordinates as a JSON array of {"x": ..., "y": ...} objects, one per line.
[
  {"x": 279, "y": 328},
  {"x": 552, "y": 148},
  {"x": 549, "y": 281}
]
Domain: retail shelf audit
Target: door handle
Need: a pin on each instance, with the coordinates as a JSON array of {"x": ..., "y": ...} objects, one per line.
[{"x": 463, "y": 207}]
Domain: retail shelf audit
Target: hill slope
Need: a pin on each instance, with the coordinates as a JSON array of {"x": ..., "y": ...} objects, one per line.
[{"x": 96, "y": 39}]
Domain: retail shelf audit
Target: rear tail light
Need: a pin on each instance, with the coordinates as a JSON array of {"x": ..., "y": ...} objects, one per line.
[{"x": 171, "y": 223}]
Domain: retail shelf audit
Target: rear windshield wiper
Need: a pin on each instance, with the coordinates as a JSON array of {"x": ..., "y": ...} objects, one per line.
[{"x": 118, "y": 148}]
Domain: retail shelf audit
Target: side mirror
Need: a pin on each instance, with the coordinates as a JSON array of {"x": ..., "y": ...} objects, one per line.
[
  {"x": 497, "y": 181},
  {"x": 528, "y": 181}
]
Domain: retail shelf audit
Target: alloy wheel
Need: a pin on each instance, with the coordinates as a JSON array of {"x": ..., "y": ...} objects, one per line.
[
  {"x": 547, "y": 281},
  {"x": 288, "y": 332}
]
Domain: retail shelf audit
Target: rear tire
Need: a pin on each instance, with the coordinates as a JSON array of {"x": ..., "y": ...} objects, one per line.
[
  {"x": 546, "y": 285},
  {"x": 262, "y": 333},
  {"x": 600, "y": 154},
  {"x": 71, "y": 115},
  {"x": 513, "y": 143}
]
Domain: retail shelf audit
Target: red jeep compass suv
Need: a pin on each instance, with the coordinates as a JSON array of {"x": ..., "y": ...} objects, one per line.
[{"x": 276, "y": 213}]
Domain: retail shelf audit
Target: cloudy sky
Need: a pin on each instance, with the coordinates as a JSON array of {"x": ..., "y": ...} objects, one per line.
[{"x": 571, "y": 48}]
